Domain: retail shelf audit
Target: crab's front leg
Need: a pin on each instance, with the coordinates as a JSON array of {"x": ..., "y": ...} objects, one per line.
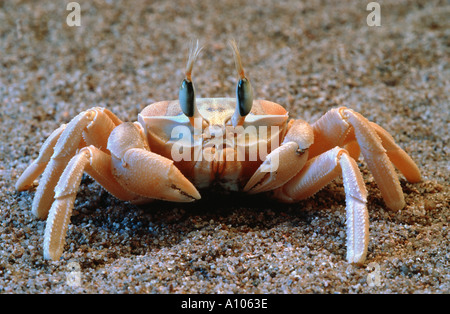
[
  {"x": 98, "y": 165},
  {"x": 317, "y": 173}
]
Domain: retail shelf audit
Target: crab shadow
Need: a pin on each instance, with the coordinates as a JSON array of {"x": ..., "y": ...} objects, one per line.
[
  {"x": 163, "y": 224},
  {"x": 101, "y": 221}
]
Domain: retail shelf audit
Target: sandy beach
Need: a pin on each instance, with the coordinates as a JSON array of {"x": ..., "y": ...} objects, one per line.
[{"x": 308, "y": 56}]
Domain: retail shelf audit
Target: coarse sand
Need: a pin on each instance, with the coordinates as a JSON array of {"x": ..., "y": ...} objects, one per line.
[{"x": 309, "y": 56}]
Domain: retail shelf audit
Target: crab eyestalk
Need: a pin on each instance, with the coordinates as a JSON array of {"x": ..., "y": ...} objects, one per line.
[
  {"x": 244, "y": 91},
  {"x": 186, "y": 94}
]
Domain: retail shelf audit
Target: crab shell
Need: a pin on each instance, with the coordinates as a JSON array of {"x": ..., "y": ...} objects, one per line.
[{"x": 214, "y": 153}]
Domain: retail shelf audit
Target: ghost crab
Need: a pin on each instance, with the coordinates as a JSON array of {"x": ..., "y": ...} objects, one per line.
[{"x": 134, "y": 161}]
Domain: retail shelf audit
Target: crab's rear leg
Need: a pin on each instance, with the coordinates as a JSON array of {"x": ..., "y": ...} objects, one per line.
[
  {"x": 340, "y": 127},
  {"x": 398, "y": 156},
  {"x": 317, "y": 173},
  {"x": 401, "y": 160},
  {"x": 92, "y": 126},
  {"x": 36, "y": 168}
]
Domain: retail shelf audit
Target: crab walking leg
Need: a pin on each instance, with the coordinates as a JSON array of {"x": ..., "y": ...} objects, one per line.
[
  {"x": 336, "y": 126},
  {"x": 351, "y": 145},
  {"x": 36, "y": 168},
  {"x": 377, "y": 160},
  {"x": 329, "y": 131},
  {"x": 317, "y": 173},
  {"x": 398, "y": 156},
  {"x": 64, "y": 149},
  {"x": 93, "y": 127},
  {"x": 98, "y": 165}
]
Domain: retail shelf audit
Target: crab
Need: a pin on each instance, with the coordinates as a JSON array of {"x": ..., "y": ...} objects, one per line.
[{"x": 179, "y": 147}]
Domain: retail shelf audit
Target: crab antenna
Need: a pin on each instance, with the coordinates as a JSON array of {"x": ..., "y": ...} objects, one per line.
[
  {"x": 244, "y": 91},
  {"x": 237, "y": 59},
  {"x": 186, "y": 94},
  {"x": 193, "y": 55}
]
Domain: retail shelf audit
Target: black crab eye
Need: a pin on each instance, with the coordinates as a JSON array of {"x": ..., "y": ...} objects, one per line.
[
  {"x": 186, "y": 98},
  {"x": 244, "y": 94},
  {"x": 244, "y": 91},
  {"x": 186, "y": 95}
]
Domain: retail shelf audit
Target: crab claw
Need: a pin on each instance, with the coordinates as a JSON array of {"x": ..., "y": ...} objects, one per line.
[
  {"x": 145, "y": 173},
  {"x": 283, "y": 163},
  {"x": 279, "y": 167}
]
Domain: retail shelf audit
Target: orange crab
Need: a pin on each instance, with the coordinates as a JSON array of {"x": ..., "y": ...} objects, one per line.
[{"x": 148, "y": 160}]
